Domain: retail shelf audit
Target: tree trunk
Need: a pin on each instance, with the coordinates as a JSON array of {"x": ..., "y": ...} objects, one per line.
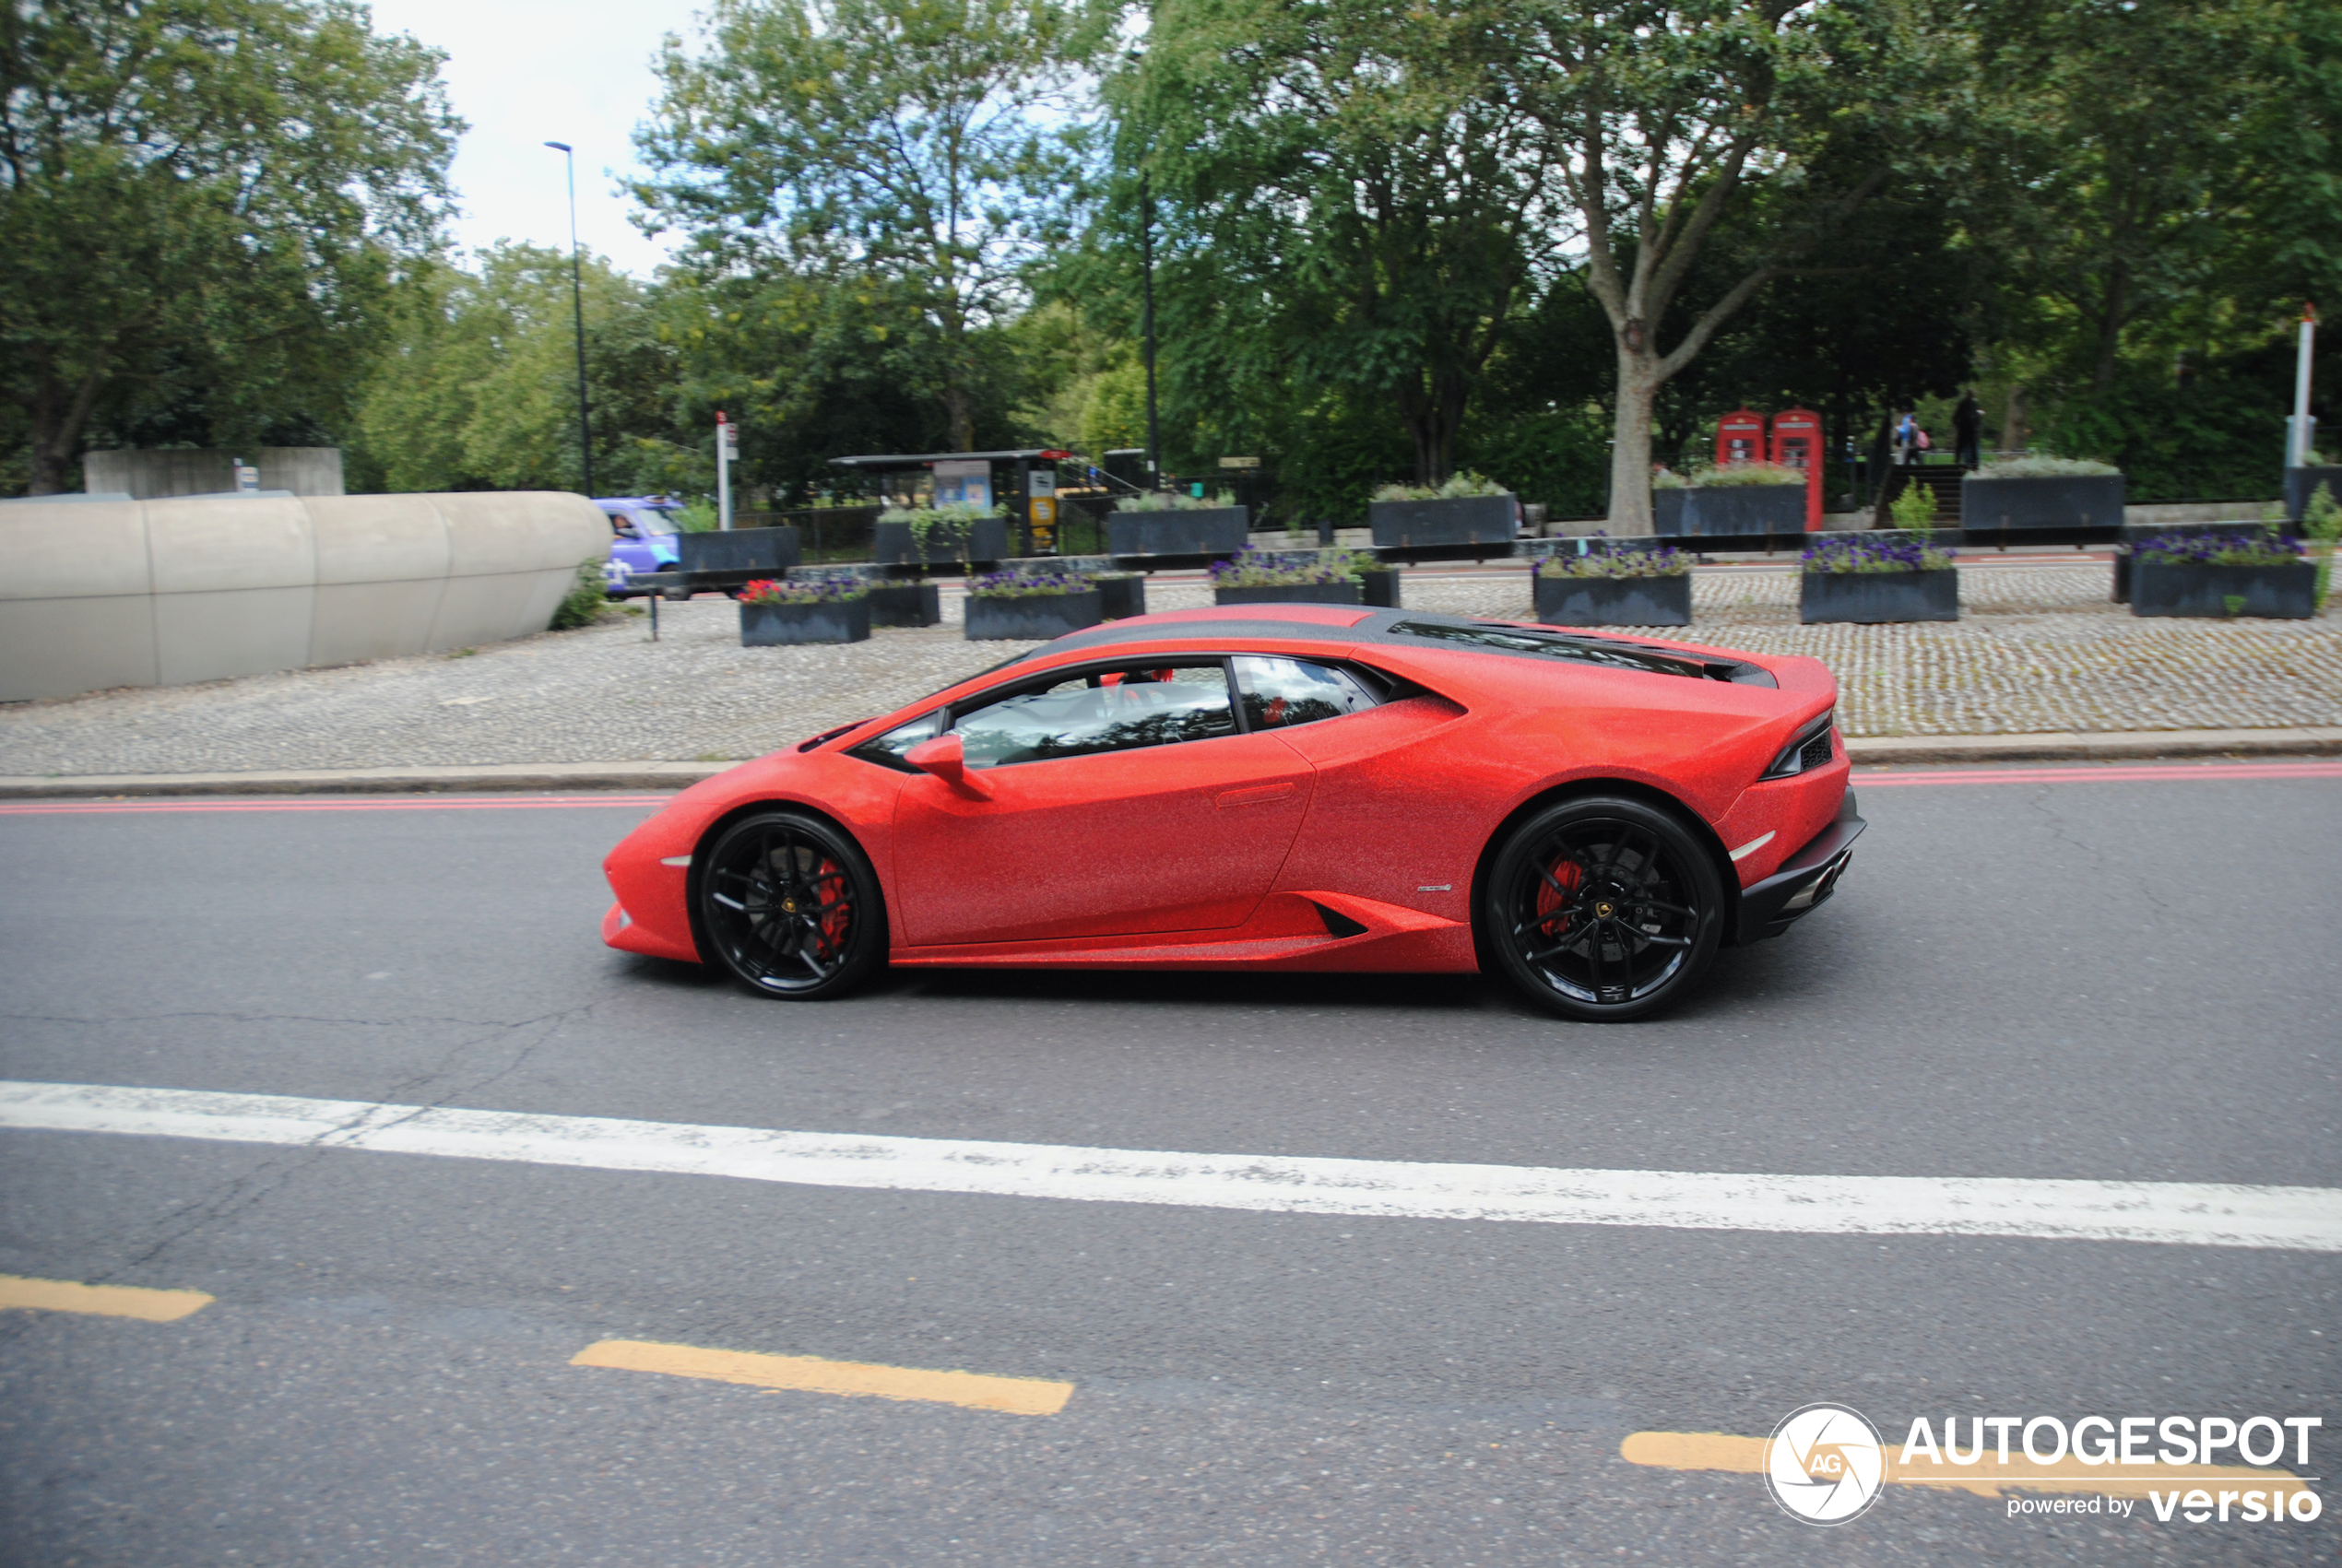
[
  {"x": 1630, "y": 446},
  {"x": 57, "y": 430},
  {"x": 2116, "y": 306},
  {"x": 960, "y": 416},
  {"x": 2014, "y": 435},
  {"x": 1432, "y": 418}
]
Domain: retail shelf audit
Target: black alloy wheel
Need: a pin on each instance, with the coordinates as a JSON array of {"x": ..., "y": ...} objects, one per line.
[
  {"x": 790, "y": 906},
  {"x": 1603, "y": 908}
]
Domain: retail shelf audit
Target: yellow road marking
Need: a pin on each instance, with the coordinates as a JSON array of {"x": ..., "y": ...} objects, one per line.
[
  {"x": 105, "y": 1301},
  {"x": 1017, "y": 1395},
  {"x": 1989, "y": 1478}
]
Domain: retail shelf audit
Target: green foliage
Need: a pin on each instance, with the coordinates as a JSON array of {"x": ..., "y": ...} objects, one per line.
[
  {"x": 2322, "y": 519},
  {"x": 950, "y": 526},
  {"x": 1171, "y": 500},
  {"x": 586, "y": 601},
  {"x": 1455, "y": 488},
  {"x": 914, "y": 149},
  {"x": 2041, "y": 467},
  {"x": 203, "y": 208},
  {"x": 481, "y": 391},
  {"x": 1609, "y": 561},
  {"x": 1914, "y": 510},
  {"x": 699, "y": 516},
  {"x": 1729, "y": 476}
]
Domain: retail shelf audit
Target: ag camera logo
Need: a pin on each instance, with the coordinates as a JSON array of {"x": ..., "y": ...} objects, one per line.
[{"x": 1825, "y": 1465}]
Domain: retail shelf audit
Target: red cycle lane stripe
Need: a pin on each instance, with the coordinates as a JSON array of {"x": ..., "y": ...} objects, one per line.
[
  {"x": 2108, "y": 773},
  {"x": 312, "y": 803}
]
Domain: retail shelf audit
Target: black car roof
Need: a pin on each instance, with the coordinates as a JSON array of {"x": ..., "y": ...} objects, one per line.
[{"x": 1417, "y": 629}]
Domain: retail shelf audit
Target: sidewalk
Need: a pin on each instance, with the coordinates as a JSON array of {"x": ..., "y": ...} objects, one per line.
[{"x": 2040, "y": 652}]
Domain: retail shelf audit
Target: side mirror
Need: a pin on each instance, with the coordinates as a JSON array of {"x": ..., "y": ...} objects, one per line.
[{"x": 946, "y": 758}]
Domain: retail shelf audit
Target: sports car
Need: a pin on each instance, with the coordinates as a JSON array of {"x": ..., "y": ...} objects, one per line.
[{"x": 1276, "y": 786}]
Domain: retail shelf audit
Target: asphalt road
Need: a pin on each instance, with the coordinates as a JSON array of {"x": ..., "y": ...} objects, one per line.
[{"x": 2104, "y": 979}]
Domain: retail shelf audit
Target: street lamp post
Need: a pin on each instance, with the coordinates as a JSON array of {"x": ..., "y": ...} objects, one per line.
[
  {"x": 577, "y": 308},
  {"x": 1146, "y": 264}
]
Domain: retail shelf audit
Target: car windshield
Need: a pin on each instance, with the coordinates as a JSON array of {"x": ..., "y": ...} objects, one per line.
[{"x": 652, "y": 520}]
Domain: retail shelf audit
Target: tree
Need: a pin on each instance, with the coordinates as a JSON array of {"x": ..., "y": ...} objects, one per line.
[
  {"x": 923, "y": 149},
  {"x": 479, "y": 390},
  {"x": 1349, "y": 204},
  {"x": 205, "y": 199},
  {"x": 1664, "y": 119}
]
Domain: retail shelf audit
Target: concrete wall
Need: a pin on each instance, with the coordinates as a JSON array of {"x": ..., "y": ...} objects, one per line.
[
  {"x": 161, "y": 592},
  {"x": 155, "y": 475}
]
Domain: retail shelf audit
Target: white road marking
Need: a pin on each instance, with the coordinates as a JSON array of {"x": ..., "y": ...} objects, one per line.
[{"x": 2195, "y": 1214}]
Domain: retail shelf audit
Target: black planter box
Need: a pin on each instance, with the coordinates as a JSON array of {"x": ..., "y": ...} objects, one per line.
[
  {"x": 2273, "y": 593},
  {"x": 1722, "y": 510},
  {"x": 1870, "y": 598},
  {"x": 1215, "y": 531},
  {"x": 1348, "y": 592},
  {"x": 1032, "y": 617},
  {"x": 1121, "y": 597},
  {"x": 2135, "y": 535},
  {"x": 742, "y": 549},
  {"x": 1464, "y": 520},
  {"x": 988, "y": 545},
  {"x": 832, "y": 620},
  {"x": 1615, "y": 601},
  {"x": 1380, "y": 587},
  {"x": 2301, "y": 484},
  {"x": 906, "y": 604},
  {"x": 2082, "y": 500}
]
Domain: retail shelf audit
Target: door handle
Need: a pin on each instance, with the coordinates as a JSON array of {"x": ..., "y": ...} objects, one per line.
[{"x": 1259, "y": 794}]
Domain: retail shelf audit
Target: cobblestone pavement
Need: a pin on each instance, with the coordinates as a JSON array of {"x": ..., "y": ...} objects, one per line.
[{"x": 2039, "y": 649}]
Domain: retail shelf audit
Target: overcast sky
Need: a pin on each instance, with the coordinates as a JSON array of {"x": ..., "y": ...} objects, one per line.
[{"x": 524, "y": 71}]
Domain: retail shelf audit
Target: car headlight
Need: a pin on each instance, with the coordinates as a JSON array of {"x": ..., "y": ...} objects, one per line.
[{"x": 1811, "y": 749}]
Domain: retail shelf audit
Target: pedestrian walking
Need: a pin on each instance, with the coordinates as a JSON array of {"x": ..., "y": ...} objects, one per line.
[
  {"x": 1968, "y": 431},
  {"x": 1907, "y": 440}
]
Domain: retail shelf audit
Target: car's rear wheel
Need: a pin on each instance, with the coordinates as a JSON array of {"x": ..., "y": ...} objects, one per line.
[
  {"x": 791, "y": 906},
  {"x": 1603, "y": 908}
]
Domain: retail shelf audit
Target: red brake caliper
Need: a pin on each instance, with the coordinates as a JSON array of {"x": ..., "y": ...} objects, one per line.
[
  {"x": 1567, "y": 873},
  {"x": 835, "y": 915}
]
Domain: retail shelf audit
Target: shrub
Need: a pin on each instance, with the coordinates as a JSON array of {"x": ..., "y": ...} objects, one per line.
[
  {"x": 698, "y": 516},
  {"x": 2220, "y": 549},
  {"x": 1875, "y": 552},
  {"x": 2322, "y": 521},
  {"x": 1024, "y": 582},
  {"x": 2043, "y": 468},
  {"x": 950, "y": 526},
  {"x": 804, "y": 591},
  {"x": 1264, "y": 569},
  {"x": 1914, "y": 510},
  {"x": 586, "y": 600},
  {"x": 1171, "y": 500},
  {"x": 1731, "y": 474},
  {"x": 1614, "y": 560},
  {"x": 1458, "y": 486}
]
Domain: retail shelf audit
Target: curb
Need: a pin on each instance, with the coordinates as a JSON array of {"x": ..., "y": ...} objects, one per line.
[
  {"x": 377, "y": 781},
  {"x": 1875, "y": 752}
]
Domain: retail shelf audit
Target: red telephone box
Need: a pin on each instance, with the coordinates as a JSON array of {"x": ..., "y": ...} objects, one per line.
[
  {"x": 1797, "y": 444},
  {"x": 1740, "y": 438}
]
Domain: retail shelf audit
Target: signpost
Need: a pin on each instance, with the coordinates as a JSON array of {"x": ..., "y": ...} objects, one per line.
[
  {"x": 2304, "y": 428},
  {"x": 1041, "y": 509},
  {"x": 728, "y": 446}
]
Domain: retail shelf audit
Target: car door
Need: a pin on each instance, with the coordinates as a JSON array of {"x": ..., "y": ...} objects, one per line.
[{"x": 1117, "y": 801}]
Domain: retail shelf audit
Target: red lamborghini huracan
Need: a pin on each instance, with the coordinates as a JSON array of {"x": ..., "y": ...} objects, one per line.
[{"x": 1276, "y": 786}]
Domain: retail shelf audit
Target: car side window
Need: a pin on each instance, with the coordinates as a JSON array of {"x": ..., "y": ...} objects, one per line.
[
  {"x": 887, "y": 749},
  {"x": 1100, "y": 711},
  {"x": 1281, "y": 693}
]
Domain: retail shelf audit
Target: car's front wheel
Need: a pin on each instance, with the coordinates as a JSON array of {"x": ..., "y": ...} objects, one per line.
[
  {"x": 790, "y": 905},
  {"x": 1603, "y": 908}
]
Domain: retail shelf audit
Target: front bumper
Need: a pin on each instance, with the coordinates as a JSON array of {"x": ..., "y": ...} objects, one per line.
[{"x": 1805, "y": 879}]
